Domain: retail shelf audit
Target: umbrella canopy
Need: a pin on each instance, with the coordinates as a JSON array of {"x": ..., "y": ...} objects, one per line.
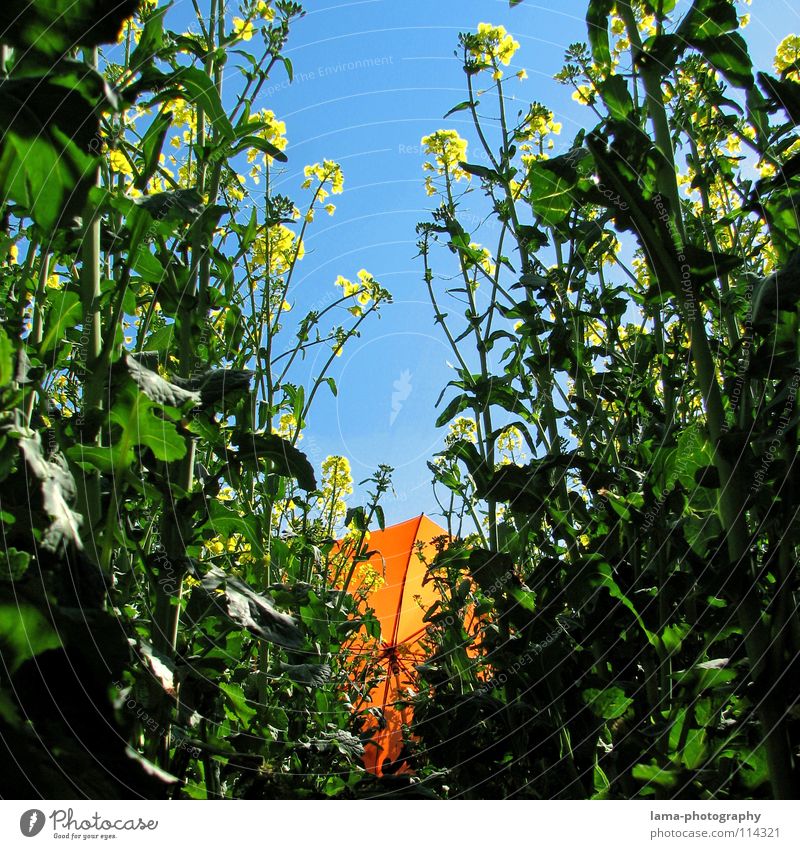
[{"x": 401, "y": 553}]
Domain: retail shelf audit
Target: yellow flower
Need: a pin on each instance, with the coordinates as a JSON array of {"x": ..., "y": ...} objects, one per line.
[
  {"x": 733, "y": 143},
  {"x": 53, "y": 282},
  {"x": 788, "y": 55},
  {"x": 648, "y": 25},
  {"x": 583, "y": 95},
  {"x": 327, "y": 172},
  {"x": 493, "y": 44},
  {"x": 265, "y": 10},
  {"x": 766, "y": 169},
  {"x": 215, "y": 546},
  {"x": 509, "y": 446},
  {"x": 348, "y": 287},
  {"x": 244, "y": 29},
  {"x": 119, "y": 162},
  {"x": 464, "y": 428},
  {"x": 279, "y": 249},
  {"x": 448, "y": 149},
  {"x": 287, "y": 426},
  {"x": 13, "y": 254},
  {"x": 274, "y": 132},
  {"x": 522, "y": 74},
  {"x": 337, "y": 483}
]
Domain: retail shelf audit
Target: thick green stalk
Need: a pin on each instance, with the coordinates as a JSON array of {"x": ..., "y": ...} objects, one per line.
[{"x": 89, "y": 499}]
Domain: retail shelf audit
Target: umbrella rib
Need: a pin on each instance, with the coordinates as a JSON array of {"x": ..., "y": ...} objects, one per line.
[{"x": 403, "y": 584}]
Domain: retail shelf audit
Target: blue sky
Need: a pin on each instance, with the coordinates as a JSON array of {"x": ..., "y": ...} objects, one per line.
[{"x": 371, "y": 78}]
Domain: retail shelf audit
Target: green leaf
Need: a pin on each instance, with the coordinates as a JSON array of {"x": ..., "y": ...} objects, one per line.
[
  {"x": 597, "y": 17},
  {"x": 183, "y": 206},
  {"x": 782, "y": 94},
  {"x": 672, "y": 637},
  {"x": 24, "y": 633},
  {"x": 307, "y": 674},
  {"x": 459, "y": 403},
  {"x": 201, "y": 90},
  {"x": 459, "y": 108},
  {"x": 493, "y": 571},
  {"x": 709, "y": 19},
  {"x": 141, "y": 422},
  {"x": 729, "y": 55},
  {"x": 610, "y": 703},
  {"x": 226, "y": 522},
  {"x": 96, "y": 457},
  {"x": 236, "y": 699},
  {"x": 146, "y": 265},
  {"x": 263, "y": 145},
  {"x": 693, "y": 754},
  {"x": 151, "y": 39},
  {"x": 709, "y": 27},
  {"x": 57, "y": 491},
  {"x": 660, "y": 8},
  {"x": 152, "y": 144},
  {"x": 285, "y": 458},
  {"x": 16, "y": 564},
  {"x": 6, "y": 359},
  {"x": 247, "y": 609},
  {"x": 161, "y": 340},
  {"x": 606, "y": 579},
  {"x": 48, "y": 129},
  {"x": 480, "y": 171},
  {"x": 64, "y": 310},
  {"x": 462, "y": 449},
  {"x": 652, "y": 773},
  {"x": 755, "y": 767},
  {"x": 617, "y": 97},
  {"x": 357, "y": 517},
  {"x": 550, "y": 193},
  {"x": 524, "y": 598},
  {"x": 157, "y": 388},
  {"x": 54, "y": 27},
  {"x": 706, "y": 265},
  {"x": 714, "y": 675}
]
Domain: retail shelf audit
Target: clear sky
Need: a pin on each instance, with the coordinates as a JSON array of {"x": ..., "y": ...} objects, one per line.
[{"x": 371, "y": 78}]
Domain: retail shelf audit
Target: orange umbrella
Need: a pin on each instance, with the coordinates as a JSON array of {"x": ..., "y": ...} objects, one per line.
[{"x": 400, "y": 555}]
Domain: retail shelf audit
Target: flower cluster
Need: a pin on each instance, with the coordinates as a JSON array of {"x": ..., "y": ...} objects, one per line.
[
  {"x": 271, "y": 130},
  {"x": 787, "y": 58},
  {"x": 365, "y": 290},
  {"x": 278, "y": 250},
  {"x": 337, "y": 483},
  {"x": 235, "y": 545},
  {"x": 245, "y": 28},
  {"x": 287, "y": 427},
  {"x": 490, "y": 47},
  {"x": 464, "y": 428},
  {"x": 326, "y": 171},
  {"x": 448, "y": 150},
  {"x": 536, "y": 131},
  {"x": 509, "y": 446}
]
